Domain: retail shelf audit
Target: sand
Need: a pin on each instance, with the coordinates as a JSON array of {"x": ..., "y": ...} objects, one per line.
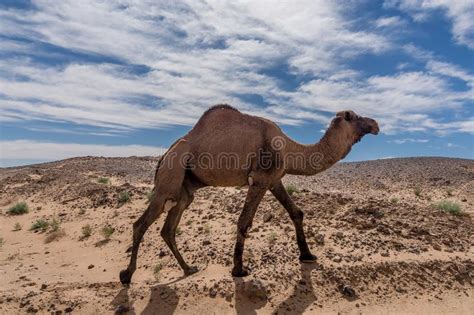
[{"x": 382, "y": 247}]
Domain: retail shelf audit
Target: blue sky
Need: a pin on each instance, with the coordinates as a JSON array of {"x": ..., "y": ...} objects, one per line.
[{"x": 120, "y": 78}]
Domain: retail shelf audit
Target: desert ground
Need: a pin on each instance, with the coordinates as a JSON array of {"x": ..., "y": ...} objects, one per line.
[{"x": 384, "y": 243}]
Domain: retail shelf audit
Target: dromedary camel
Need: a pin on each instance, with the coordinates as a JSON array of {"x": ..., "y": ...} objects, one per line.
[{"x": 229, "y": 148}]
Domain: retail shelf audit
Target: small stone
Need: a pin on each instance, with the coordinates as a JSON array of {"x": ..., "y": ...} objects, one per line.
[
  {"x": 206, "y": 242},
  {"x": 90, "y": 266},
  {"x": 337, "y": 258},
  {"x": 212, "y": 292},
  {"x": 436, "y": 247},
  {"x": 267, "y": 217},
  {"x": 122, "y": 309},
  {"x": 347, "y": 291},
  {"x": 385, "y": 254},
  {"x": 44, "y": 286},
  {"x": 68, "y": 309},
  {"x": 319, "y": 238}
]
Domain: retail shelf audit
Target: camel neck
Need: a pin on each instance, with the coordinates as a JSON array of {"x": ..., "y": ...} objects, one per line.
[{"x": 314, "y": 158}]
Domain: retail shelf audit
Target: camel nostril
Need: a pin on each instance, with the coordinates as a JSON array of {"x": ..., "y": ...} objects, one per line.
[{"x": 375, "y": 129}]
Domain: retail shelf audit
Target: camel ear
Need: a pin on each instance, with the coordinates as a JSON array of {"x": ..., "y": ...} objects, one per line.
[{"x": 347, "y": 115}]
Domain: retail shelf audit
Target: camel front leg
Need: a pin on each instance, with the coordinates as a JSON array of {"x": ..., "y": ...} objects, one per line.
[
  {"x": 296, "y": 215},
  {"x": 254, "y": 196}
]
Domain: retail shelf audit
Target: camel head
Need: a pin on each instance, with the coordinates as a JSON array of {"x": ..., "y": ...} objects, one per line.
[{"x": 355, "y": 126}]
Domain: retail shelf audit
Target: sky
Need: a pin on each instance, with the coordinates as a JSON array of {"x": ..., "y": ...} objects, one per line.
[{"x": 129, "y": 77}]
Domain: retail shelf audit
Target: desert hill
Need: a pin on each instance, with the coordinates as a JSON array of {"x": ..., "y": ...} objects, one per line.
[{"x": 391, "y": 235}]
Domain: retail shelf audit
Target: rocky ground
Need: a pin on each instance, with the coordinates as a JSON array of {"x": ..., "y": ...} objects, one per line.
[{"x": 382, "y": 244}]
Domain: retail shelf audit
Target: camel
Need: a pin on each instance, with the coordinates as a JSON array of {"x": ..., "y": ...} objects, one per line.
[{"x": 230, "y": 148}]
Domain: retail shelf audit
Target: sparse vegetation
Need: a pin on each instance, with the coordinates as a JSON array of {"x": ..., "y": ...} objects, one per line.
[
  {"x": 124, "y": 197},
  {"x": 54, "y": 235},
  {"x": 417, "y": 190},
  {"x": 54, "y": 225},
  {"x": 156, "y": 270},
  {"x": 107, "y": 231},
  {"x": 149, "y": 195},
  {"x": 449, "y": 207},
  {"x": 115, "y": 214},
  {"x": 18, "y": 208},
  {"x": 189, "y": 222},
  {"x": 449, "y": 192},
  {"x": 82, "y": 211},
  {"x": 178, "y": 231},
  {"x": 17, "y": 227},
  {"x": 104, "y": 180},
  {"x": 272, "y": 237},
  {"x": 40, "y": 225},
  {"x": 291, "y": 189},
  {"x": 394, "y": 200},
  {"x": 86, "y": 231},
  {"x": 207, "y": 228}
]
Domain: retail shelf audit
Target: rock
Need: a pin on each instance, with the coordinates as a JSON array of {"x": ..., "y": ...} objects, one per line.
[
  {"x": 319, "y": 238},
  {"x": 337, "y": 258},
  {"x": 44, "y": 286},
  {"x": 90, "y": 266},
  {"x": 212, "y": 292},
  {"x": 400, "y": 289},
  {"x": 255, "y": 288},
  {"x": 385, "y": 254},
  {"x": 267, "y": 217},
  {"x": 68, "y": 310},
  {"x": 347, "y": 291},
  {"x": 206, "y": 242},
  {"x": 122, "y": 309}
]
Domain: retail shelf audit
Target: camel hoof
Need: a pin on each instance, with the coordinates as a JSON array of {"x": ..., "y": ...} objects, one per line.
[
  {"x": 240, "y": 273},
  {"x": 125, "y": 277},
  {"x": 191, "y": 270},
  {"x": 308, "y": 258}
]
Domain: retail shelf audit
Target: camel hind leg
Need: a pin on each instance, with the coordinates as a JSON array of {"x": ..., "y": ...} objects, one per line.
[
  {"x": 166, "y": 194},
  {"x": 168, "y": 232}
]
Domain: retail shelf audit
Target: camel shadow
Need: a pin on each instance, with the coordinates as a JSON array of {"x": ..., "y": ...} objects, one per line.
[
  {"x": 303, "y": 293},
  {"x": 122, "y": 303},
  {"x": 163, "y": 300},
  {"x": 245, "y": 304}
]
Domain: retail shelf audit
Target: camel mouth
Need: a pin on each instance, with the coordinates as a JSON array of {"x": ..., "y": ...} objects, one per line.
[
  {"x": 374, "y": 130},
  {"x": 373, "y": 126}
]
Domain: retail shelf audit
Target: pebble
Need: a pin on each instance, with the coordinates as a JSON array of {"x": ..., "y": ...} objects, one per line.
[
  {"x": 267, "y": 217},
  {"x": 90, "y": 266}
]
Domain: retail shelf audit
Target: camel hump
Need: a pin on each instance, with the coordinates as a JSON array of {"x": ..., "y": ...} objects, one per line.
[{"x": 220, "y": 107}]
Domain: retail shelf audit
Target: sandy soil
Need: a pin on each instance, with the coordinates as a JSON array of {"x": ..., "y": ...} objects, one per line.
[{"x": 382, "y": 247}]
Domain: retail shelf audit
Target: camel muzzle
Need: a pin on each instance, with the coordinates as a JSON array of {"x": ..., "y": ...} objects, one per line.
[{"x": 373, "y": 126}]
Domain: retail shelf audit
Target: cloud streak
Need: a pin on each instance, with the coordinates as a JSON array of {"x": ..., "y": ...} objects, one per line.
[{"x": 155, "y": 64}]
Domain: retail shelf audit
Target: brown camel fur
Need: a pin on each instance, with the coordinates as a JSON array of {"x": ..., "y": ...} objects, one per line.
[{"x": 229, "y": 148}]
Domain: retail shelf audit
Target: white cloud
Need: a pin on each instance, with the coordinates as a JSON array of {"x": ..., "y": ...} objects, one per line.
[
  {"x": 460, "y": 12},
  {"x": 389, "y": 21},
  {"x": 200, "y": 53},
  {"x": 408, "y": 140},
  {"x": 38, "y": 150}
]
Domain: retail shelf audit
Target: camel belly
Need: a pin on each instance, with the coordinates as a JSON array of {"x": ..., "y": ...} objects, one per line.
[{"x": 222, "y": 178}]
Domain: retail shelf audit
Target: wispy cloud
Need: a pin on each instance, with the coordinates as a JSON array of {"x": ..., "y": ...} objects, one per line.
[
  {"x": 408, "y": 140},
  {"x": 460, "y": 12},
  {"x": 41, "y": 150},
  {"x": 152, "y": 64}
]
